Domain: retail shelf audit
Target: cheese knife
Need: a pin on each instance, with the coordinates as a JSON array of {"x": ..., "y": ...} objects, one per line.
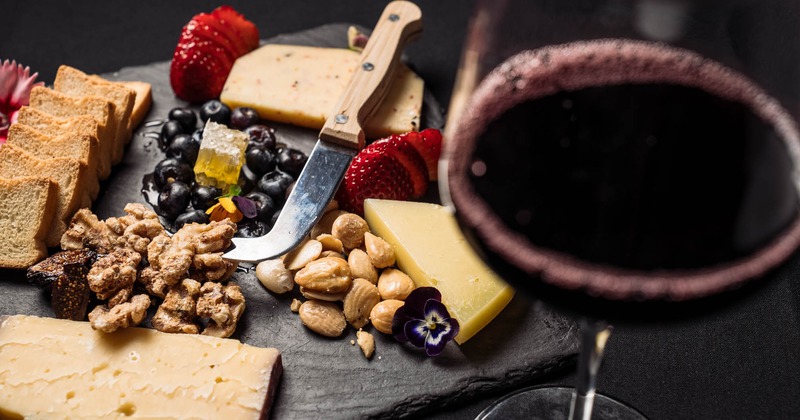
[{"x": 340, "y": 139}]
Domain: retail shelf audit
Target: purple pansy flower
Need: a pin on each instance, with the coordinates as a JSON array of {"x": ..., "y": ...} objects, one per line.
[
  {"x": 246, "y": 206},
  {"x": 424, "y": 321}
]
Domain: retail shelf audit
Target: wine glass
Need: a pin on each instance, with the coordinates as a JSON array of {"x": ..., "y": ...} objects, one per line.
[{"x": 624, "y": 161}]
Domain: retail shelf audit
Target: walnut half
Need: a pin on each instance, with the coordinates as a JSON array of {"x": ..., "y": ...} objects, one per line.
[
  {"x": 223, "y": 305},
  {"x": 114, "y": 272},
  {"x": 178, "y": 311},
  {"x": 123, "y": 315}
]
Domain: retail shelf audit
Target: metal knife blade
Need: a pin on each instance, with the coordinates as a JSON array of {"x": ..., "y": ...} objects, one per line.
[
  {"x": 340, "y": 139},
  {"x": 311, "y": 194}
]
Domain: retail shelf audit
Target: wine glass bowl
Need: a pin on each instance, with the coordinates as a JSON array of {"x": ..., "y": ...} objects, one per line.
[
  {"x": 627, "y": 170},
  {"x": 623, "y": 161}
]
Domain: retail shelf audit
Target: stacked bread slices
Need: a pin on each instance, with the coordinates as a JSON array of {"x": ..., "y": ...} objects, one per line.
[{"x": 63, "y": 143}]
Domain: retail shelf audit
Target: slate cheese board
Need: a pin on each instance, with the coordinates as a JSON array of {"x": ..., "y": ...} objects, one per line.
[{"x": 330, "y": 378}]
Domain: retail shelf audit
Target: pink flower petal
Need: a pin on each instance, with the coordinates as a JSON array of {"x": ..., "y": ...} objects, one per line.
[{"x": 16, "y": 84}]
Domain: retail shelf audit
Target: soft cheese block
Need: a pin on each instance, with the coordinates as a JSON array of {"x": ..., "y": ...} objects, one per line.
[
  {"x": 431, "y": 249},
  {"x": 51, "y": 368},
  {"x": 302, "y": 85}
]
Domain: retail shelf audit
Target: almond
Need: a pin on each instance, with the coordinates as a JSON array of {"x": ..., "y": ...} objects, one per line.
[
  {"x": 323, "y": 318},
  {"x": 327, "y": 275},
  {"x": 359, "y": 301}
]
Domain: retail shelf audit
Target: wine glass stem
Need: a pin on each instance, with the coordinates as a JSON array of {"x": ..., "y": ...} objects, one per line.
[{"x": 594, "y": 335}]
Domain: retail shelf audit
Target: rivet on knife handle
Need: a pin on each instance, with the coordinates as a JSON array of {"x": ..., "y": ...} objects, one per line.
[{"x": 400, "y": 22}]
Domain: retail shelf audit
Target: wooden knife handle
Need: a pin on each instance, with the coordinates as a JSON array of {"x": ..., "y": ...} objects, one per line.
[{"x": 400, "y": 22}]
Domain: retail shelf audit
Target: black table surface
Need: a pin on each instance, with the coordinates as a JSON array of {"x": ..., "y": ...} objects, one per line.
[{"x": 741, "y": 361}]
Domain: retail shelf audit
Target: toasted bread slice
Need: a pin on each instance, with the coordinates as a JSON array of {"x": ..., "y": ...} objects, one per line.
[
  {"x": 66, "y": 172},
  {"x": 81, "y": 125},
  {"x": 67, "y": 145},
  {"x": 62, "y": 105},
  {"x": 76, "y": 83},
  {"x": 143, "y": 102},
  {"x": 28, "y": 205}
]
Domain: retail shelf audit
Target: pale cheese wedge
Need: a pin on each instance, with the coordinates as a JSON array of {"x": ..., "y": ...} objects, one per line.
[
  {"x": 302, "y": 85},
  {"x": 53, "y": 368},
  {"x": 431, "y": 249}
]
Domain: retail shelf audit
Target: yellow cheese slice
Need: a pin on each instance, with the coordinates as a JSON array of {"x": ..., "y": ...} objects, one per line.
[
  {"x": 302, "y": 85},
  {"x": 51, "y": 368},
  {"x": 431, "y": 249}
]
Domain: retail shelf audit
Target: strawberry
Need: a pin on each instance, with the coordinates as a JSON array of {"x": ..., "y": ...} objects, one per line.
[
  {"x": 211, "y": 28},
  {"x": 373, "y": 174},
  {"x": 247, "y": 30},
  {"x": 428, "y": 143},
  {"x": 197, "y": 75},
  {"x": 207, "y": 48},
  {"x": 404, "y": 152}
]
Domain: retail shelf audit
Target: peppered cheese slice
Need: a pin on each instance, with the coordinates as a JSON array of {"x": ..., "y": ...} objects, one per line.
[
  {"x": 301, "y": 86},
  {"x": 52, "y": 368},
  {"x": 431, "y": 249}
]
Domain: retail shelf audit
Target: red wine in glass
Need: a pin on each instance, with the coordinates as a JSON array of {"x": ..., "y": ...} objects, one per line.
[{"x": 624, "y": 180}]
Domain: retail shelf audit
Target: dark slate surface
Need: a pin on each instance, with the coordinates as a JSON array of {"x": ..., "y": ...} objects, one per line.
[{"x": 329, "y": 378}]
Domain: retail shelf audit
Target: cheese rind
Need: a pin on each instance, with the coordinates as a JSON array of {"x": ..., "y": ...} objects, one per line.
[
  {"x": 431, "y": 249},
  {"x": 51, "y": 368},
  {"x": 302, "y": 85}
]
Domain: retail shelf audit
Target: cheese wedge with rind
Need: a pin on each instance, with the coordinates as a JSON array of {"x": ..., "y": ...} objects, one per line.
[
  {"x": 431, "y": 249},
  {"x": 52, "y": 368},
  {"x": 302, "y": 85}
]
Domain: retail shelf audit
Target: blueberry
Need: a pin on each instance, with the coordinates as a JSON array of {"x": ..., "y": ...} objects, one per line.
[
  {"x": 198, "y": 135},
  {"x": 216, "y": 111},
  {"x": 185, "y": 116},
  {"x": 265, "y": 206},
  {"x": 173, "y": 199},
  {"x": 192, "y": 216},
  {"x": 248, "y": 180},
  {"x": 169, "y": 130},
  {"x": 291, "y": 161},
  {"x": 184, "y": 148},
  {"x": 204, "y": 196},
  {"x": 289, "y": 189},
  {"x": 252, "y": 229},
  {"x": 169, "y": 170},
  {"x": 260, "y": 160},
  {"x": 274, "y": 184},
  {"x": 243, "y": 117},
  {"x": 275, "y": 218},
  {"x": 261, "y": 136}
]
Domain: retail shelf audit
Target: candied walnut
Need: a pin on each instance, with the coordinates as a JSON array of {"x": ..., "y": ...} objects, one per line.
[
  {"x": 173, "y": 256},
  {"x": 124, "y": 315},
  {"x": 134, "y": 231},
  {"x": 120, "y": 297},
  {"x": 137, "y": 229},
  {"x": 211, "y": 267},
  {"x": 87, "y": 231},
  {"x": 214, "y": 237},
  {"x": 223, "y": 305},
  {"x": 114, "y": 272},
  {"x": 178, "y": 311},
  {"x": 153, "y": 282}
]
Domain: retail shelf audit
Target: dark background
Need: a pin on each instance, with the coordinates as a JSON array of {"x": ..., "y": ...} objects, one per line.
[{"x": 739, "y": 361}]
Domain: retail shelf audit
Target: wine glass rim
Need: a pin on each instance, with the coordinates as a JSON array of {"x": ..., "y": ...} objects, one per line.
[{"x": 569, "y": 272}]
